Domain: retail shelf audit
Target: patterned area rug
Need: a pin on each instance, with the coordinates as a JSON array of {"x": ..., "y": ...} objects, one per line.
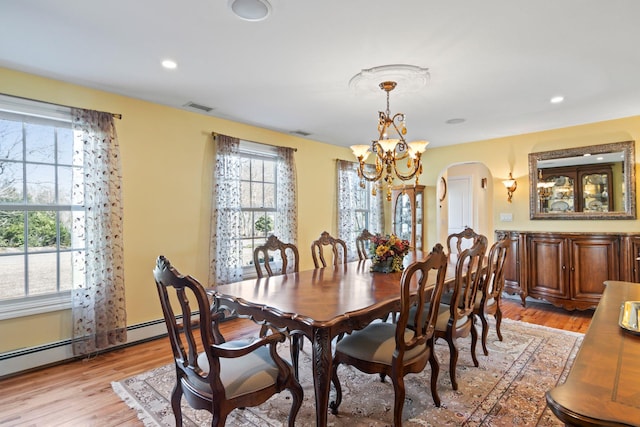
[{"x": 507, "y": 389}]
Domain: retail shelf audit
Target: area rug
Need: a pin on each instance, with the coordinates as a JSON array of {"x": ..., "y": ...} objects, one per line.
[{"x": 507, "y": 389}]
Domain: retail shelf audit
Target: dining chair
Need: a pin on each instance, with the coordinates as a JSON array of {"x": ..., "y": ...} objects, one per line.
[
  {"x": 393, "y": 349},
  {"x": 212, "y": 373},
  {"x": 489, "y": 295},
  {"x": 338, "y": 250},
  {"x": 362, "y": 244},
  {"x": 456, "y": 316},
  {"x": 457, "y": 242},
  {"x": 286, "y": 255}
]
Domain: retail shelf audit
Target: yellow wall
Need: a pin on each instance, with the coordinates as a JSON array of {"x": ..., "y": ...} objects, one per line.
[
  {"x": 511, "y": 154},
  {"x": 167, "y": 160}
]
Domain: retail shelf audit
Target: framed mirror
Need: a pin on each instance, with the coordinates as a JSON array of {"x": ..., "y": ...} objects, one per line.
[{"x": 593, "y": 182}]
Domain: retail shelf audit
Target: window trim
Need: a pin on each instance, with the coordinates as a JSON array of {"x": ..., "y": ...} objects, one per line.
[
  {"x": 254, "y": 150},
  {"x": 36, "y": 112},
  {"x": 39, "y": 304}
]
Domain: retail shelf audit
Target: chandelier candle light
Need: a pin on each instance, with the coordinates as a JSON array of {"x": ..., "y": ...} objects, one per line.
[{"x": 390, "y": 151}]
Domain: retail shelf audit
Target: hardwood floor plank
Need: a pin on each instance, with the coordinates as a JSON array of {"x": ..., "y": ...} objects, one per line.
[{"x": 80, "y": 393}]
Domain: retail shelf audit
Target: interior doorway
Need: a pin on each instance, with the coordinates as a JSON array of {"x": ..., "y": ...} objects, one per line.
[{"x": 467, "y": 201}]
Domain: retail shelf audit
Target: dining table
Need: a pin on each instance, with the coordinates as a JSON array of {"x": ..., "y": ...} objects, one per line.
[{"x": 321, "y": 304}]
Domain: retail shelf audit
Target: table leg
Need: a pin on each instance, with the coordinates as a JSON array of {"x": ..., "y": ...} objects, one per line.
[{"x": 322, "y": 374}]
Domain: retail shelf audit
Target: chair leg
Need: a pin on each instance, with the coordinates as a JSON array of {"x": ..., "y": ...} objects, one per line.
[
  {"x": 176, "y": 397},
  {"x": 435, "y": 371},
  {"x": 453, "y": 361},
  {"x": 398, "y": 400},
  {"x": 474, "y": 342},
  {"x": 336, "y": 384},
  {"x": 219, "y": 416},
  {"x": 498, "y": 317},
  {"x": 485, "y": 332}
]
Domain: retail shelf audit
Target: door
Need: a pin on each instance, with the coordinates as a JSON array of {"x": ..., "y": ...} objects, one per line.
[
  {"x": 594, "y": 260},
  {"x": 460, "y": 204},
  {"x": 548, "y": 275}
]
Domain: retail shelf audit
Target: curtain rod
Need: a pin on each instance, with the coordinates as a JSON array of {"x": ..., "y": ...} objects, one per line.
[
  {"x": 114, "y": 115},
  {"x": 214, "y": 134}
]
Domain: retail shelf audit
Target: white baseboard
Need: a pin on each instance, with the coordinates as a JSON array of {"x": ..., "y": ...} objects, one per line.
[{"x": 34, "y": 357}]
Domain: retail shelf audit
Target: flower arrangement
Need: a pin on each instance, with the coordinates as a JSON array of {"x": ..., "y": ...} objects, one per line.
[{"x": 387, "y": 253}]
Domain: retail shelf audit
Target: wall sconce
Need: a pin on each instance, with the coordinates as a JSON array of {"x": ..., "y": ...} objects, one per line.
[{"x": 511, "y": 185}]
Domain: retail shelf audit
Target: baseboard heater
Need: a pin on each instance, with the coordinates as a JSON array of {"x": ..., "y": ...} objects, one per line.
[{"x": 27, "y": 359}]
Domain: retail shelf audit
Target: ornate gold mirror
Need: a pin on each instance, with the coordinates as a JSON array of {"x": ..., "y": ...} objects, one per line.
[{"x": 593, "y": 182}]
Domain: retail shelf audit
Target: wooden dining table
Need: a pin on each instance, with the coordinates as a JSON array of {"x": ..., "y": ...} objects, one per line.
[{"x": 321, "y": 304}]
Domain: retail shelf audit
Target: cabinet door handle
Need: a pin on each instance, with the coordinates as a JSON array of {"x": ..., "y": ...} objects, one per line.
[{"x": 564, "y": 267}]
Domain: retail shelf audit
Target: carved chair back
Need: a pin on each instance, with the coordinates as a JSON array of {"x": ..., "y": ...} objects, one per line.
[
  {"x": 337, "y": 246},
  {"x": 287, "y": 258},
  {"x": 457, "y": 242},
  {"x": 362, "y": 244}
]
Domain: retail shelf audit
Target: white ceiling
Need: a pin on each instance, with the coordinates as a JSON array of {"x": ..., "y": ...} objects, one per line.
[{"x": 495, "y": 63}]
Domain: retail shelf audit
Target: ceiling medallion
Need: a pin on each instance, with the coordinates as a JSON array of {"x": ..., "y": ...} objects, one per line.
[{"x": 408, "y": 78}]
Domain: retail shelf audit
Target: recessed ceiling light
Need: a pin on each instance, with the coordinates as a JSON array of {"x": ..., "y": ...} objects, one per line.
[
  {"x": 169, "y": 64},
  {"x": 557, "y": 99},
  {"x": 455, "y": 121},
  {"x": 250, "y": 10}
]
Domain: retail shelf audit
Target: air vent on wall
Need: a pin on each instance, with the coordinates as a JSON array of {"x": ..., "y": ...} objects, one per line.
[
  {"x": 198, "y": 107},
  {"x": 299, "y": 133}
]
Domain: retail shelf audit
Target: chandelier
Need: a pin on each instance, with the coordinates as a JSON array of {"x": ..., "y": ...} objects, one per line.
[{"x": 390, "y": 149}]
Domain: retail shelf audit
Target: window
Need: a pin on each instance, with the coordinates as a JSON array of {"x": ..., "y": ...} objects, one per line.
[
  {"x": 39, "y": 170},
  {"x": 254, "y": 193},
  {"x": 357, "y": 208},
  {"x": 362, "y": 207},
  {"x": 258, "y": 201}
]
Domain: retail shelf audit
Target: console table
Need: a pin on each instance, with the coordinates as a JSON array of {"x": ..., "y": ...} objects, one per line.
[
  {"x": 603, "y": 386},
  {"x": 568, "y": 269}
]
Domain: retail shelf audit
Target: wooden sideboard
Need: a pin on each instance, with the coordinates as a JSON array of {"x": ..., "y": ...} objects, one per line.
[
  {"x": 569, "y": 269},
  {"x": 603, "y": 385}
]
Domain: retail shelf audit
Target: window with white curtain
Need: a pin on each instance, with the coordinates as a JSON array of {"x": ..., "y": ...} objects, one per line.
[
  {"x": 254, "y": 197},
  {"x": 38, "y": 170},
  {"x": 258, "y": 200},
  {"x": 357, "y": 207}
]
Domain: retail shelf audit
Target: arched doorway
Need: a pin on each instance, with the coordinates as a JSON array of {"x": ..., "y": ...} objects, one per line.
[{"x": 468, "y": 200}]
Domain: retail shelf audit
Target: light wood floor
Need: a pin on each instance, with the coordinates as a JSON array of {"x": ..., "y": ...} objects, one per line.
[{"x": 79, "y": 393}]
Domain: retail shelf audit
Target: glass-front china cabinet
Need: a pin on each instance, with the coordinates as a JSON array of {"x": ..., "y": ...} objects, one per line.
[{"x": 408, "y": 213}]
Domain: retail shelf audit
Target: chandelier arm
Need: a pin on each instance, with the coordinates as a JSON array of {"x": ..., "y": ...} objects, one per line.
[
  {"x": 364, "y": 175},
  {"x": 412, "y": 173},
  {"x": 402, "y": 142}
]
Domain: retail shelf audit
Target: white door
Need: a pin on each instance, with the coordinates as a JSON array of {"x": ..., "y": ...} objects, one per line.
[{"x": 460, "y": 203}]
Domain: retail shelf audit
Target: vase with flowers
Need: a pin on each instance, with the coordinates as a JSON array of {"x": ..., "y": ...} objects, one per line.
[{"x": 387, "y": 253}]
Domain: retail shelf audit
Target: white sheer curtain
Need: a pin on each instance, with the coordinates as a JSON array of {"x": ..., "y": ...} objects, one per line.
[
  {"x": 99, "y": 315},
  {"x": 348, "y": 187},
  {"x": 286, "y": 227},
  {"x": 226, "y": 221}
]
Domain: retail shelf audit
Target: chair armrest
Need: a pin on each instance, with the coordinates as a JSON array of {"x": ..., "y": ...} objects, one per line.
[{"x": 221, "y": 351}]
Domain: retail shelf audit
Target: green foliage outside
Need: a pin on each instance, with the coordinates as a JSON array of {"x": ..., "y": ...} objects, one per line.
[
  {"x": 42, "y": 230},
  {"x": 264, "y": 224}
]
